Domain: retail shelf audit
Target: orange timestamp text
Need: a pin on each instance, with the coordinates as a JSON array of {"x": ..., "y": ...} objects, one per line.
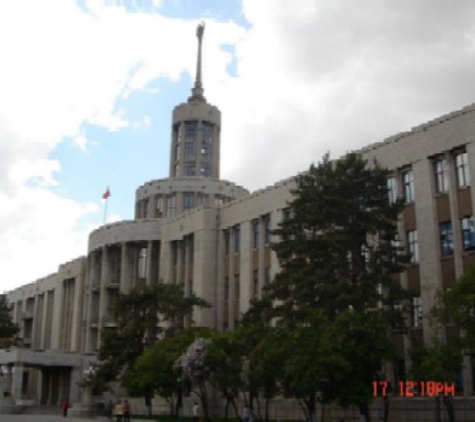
[{"x": 415, "y": 388}]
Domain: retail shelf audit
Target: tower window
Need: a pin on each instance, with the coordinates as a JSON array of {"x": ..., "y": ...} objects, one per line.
[
  {"x": 190, "y": 169},
  {"x": 190, "y": 151},
  {"x": 205, "y": 151},
  {"x": 255, "y": 234},
  {"x": 207, "y": 131},
  {"x": 205, "y": 170},
  {"x": 191, "y": 130}
]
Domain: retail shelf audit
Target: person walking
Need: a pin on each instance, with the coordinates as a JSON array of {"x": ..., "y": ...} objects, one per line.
[
  {"x": 196, "y": 412},
  {"x": 119, "y": 411},
  {"x": 65, "y": 407},
  {"x": 126, "y": 409}
]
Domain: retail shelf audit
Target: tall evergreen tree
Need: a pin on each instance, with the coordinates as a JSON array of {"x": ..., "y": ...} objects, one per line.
[
  {"x": 338, "y": 245},
  {"x": 340, "y": 258}
]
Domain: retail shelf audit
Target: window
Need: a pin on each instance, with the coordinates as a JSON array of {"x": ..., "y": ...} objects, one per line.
[
  {"x": 408, "y": 186},
  {"x": 267, "y": 275},
  {"x": 461, "y": 166},
  {"x": 267, "y": 229},
  {"x": 392, "y": 191},
  {"x": 176, "y": 170},
  {"x": 190, "y": 151},
  {"x": 412, "y": 245},
  {"x": 417, "y": 312},
  {"x": 188, "y": 201},
  {"x": 145, "y": 208},
  {"x": 205, "y": 151},
  {"x": 255, "y": 283},
  {"x": 441, "y": 175},
  {"x": 237, "y": 286},
  {"x": 468, "y": 233},
  {"x": 171, "y": 206},
  {"x": 205, "y": 170},
  {"x": 158, "y": 206},
  {"x": 218, "y": 201},
  {"x": 142, "y": 264},
  {"x": 226, "y": 289},
  {"x": 237, "y": 239},
  {"x": 446, "y": 238},
  {"x": 207, "y": 131},
  {"x": 191, "y": 129},
  {"x": 190, "y": 169},
  {"x": 177, "y": 152},
  {"x": 226, "y": 242},
  {"x": 255, "y": 234}
]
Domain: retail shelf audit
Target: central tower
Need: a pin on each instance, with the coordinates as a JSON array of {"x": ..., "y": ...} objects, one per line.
[{"x": 196, "y": 127}]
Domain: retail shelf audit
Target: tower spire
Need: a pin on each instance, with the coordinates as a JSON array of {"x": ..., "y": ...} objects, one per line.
[{"x": 197, "y": 90}]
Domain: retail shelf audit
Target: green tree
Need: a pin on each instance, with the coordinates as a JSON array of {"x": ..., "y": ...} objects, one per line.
[
  {"x": 338, "y": 252},
  {"x": 140, "y": 315},
  {"x": 155, "y": 369},
  {"x": 456, "y": 306},
  {"x": 438, "y": 362},
  {"x": 7, "y": 328}
]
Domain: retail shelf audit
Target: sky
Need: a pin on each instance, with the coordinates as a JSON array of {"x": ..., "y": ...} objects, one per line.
[{"x": 87, "y": 88}]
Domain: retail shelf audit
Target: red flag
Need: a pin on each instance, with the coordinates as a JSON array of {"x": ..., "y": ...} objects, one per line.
[{"x": 106, "y": 194}]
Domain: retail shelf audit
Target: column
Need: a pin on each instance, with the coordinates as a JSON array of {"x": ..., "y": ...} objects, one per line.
[
  {"x": 150, "y": 263},
  {"x": 17, "y": 380},
  {"x": 125, "y": 269}
]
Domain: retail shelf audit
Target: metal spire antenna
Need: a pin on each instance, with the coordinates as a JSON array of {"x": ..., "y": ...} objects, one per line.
[{"x": 197, "y": 90}]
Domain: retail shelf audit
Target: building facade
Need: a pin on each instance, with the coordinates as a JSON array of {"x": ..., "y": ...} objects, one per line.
[{"x": 213, "y": 237}]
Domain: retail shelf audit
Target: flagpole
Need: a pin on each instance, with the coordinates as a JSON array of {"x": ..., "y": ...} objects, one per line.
[
  {"x": 106, "y": 195},
  {"x": 105, "y": 209}
]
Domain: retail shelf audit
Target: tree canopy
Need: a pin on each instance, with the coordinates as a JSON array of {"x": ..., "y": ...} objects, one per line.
[{"x": 7, "y": 328}]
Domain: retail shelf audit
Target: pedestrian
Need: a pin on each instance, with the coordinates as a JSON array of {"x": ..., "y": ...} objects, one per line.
[
  {"x": 126, "y": 411},
  {"x": 246, "y": 413},
  {"x": 196, "y": 412},
  {"x": 65, "y": 407},
  {"x": 119, "y": 411}
]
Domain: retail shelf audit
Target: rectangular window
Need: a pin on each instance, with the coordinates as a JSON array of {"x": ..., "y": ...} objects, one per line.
[
  {"x": 205, "y": 151},
  {"x": 408, "y": 186},
  {"x": 191, "y": 130},
  {"x": 392, "y": 190},
  {"x": 461, "y": 166},
  {"x": 413, "y": 245},
  {"x": 237, "y": 239},
  {"x": 188, "y": 201},
  {"x": 207, "y": 129},
  {"x": 446, "y": 238},
  {"x": 190, "y": 169},
  {"x": 468, "y": 233},
  {"x": 255, "y": 283},
  {"x": 255, "y": 234},
  {"x": 226, "y": 242},
  {"x": 226, "y": 289},
  {"x": 171, "y": 206},
  {"x": 205, "y": 170},
  {"x": 267, "y": 229},
  {"x": 441, "y": 175},
  {"x": 145, "y": 208},
  {"x": 190, "y": 151},
  {"x": 417, "y": 312}
]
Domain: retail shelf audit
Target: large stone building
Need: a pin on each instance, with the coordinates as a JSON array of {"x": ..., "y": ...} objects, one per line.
[{"x": 214, "y": 237}]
